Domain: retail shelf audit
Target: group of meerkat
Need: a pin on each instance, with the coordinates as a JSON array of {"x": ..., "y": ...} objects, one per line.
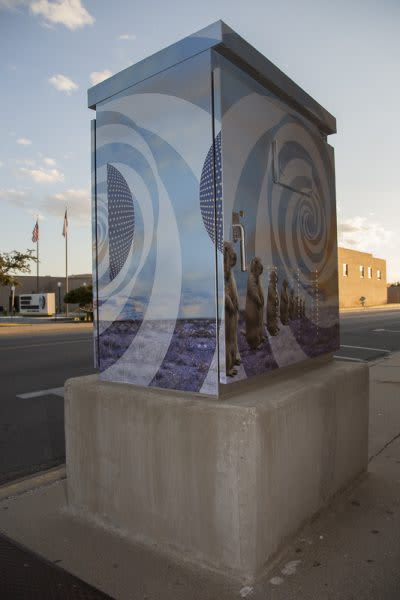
[
  {"x": 231, "y": 311},
  {"x": 287, "y": 307}
]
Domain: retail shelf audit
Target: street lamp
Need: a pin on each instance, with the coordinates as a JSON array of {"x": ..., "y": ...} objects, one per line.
[
  {"x": 59, "y": 297},
  {"x": 12, "y": 299}
]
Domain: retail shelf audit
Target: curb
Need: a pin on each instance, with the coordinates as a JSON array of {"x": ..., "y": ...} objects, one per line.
[
  {"x": 369, "y": 308},
  {"x": 27, "y": 484},
  {"x": 6, "y": 328},
  {"x": 14, "y": 325}
]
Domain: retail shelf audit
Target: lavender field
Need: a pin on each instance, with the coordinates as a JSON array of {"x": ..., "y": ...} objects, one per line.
[
  {"x": 188, "y": 358},
  {"x": 191, "y": 343}
]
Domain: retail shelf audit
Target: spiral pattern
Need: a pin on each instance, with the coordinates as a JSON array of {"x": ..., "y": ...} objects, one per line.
[
  {"x": 279, "y": 172},
  {"x": 157, "y": 285},
  {"x": 157, "y": 298},
  {"x": 302, "y": 208}
]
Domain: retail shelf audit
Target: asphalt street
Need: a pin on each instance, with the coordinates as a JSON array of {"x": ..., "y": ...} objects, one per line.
[
  {"x": 33, "y": 367},
  {"x": 368, "y": 335},
  {"x": 35, "y": 362}
]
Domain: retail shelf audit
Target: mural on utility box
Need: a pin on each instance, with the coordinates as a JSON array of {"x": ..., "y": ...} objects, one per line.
[
  {"x": 277, "y": 176},
  {"x": 155, "y": 257},
  {"x": 201, "y": 173}
]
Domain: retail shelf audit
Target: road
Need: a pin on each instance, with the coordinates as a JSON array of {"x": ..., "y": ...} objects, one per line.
[
  {"x": 369, "y": 334},
  {"x": 36, "y": 361},
  {"x": 33, "y": 360}
]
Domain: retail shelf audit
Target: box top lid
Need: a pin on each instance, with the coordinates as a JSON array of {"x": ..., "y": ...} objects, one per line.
[{"x": 227, "y": 42}]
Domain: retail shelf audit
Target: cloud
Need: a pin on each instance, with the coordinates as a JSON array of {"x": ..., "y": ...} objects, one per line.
[
  {"x": 1, "y": 164},
  {"x": 362, "y": 234},
  {"x": 70, "y": 13},
  {"x": 99, "y": 76},
  {"x": 25, "y": 161},
  {"x": 77, "y": 201},
  {"x": 12, "y": 4},
  {"x": 127, "y": 36},
  {"x": 63, "y": 83},
  {"x": 14, "y": 197},
  {"x": 41, "y": 175},
  {"x": 47, "y": 163},
  {"x": 47, "y": 25},
  {"x": 24, "y": 141}
]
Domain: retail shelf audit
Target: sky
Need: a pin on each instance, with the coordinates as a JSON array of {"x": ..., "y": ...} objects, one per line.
[{"x": 345, "y": 54}]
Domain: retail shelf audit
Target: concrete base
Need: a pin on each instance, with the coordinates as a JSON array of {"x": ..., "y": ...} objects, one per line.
[{"x": 223, "y": 484}]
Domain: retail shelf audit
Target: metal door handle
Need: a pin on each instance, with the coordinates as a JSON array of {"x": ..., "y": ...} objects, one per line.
[{"x": 241, "y": 237}]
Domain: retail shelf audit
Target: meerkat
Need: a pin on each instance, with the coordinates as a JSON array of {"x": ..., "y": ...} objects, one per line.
[
  {"x": 231, "y": 310},
  {"x": 272, "y": 304},
  {"x": 292, "y": 309},
  {"x": 297, "y": 306},
  {"x": 284, "y": 304},
  {"x": 303, "y": 308},
  {"x": 254, "y": 310}
]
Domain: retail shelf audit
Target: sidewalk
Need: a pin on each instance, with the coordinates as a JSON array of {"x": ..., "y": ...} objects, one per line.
[
  {"x": 47, "y": 327},
  {"x": 18, "y": 319},
  {"x": 351, "y": 551},
  {"x": 370, "y": 308}
]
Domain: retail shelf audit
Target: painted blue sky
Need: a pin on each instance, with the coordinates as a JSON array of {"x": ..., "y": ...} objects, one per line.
[{"x": 346, "y": 54}]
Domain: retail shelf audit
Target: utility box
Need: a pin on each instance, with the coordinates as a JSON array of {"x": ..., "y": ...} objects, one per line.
[
  {"x": 37, "y": 304},
  {"x": 214, "y": 219}
]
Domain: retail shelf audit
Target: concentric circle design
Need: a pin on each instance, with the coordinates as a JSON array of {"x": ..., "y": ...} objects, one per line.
[
  {"x": 154, "y": 287},
  {"x": 210, "y": 209},
  {"x": 302, "y": 222},
  {"x": 121, "y": 220}
]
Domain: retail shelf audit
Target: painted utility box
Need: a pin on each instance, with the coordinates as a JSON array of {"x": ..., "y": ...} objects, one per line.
[{"x": 214, "y": 218}]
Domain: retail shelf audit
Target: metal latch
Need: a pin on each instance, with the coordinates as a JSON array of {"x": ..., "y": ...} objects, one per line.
[{"x": 238, "y": 234}]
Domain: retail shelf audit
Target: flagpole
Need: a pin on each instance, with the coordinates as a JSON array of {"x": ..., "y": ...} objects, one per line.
[
  {"x": 35, "y": 238},
  {"x": 37, "y": 253},
  {"x": 66, "y": 260},
  {"x": 37, "y": 265}
]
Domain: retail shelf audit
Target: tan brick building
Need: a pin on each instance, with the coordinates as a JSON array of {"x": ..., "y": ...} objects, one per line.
[
  {"x": 393, "y": 293},
  {"x": 361, "y": 274}
]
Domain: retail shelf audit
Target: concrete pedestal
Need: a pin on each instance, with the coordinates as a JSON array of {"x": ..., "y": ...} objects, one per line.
[{"x": 221, "y": 483}]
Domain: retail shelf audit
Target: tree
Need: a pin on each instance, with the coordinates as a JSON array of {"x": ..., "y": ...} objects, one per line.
[
  {"x": 83, "y": 296},
  {"x": 362, "y": 301},
  {"x": 14, "y": 262}
]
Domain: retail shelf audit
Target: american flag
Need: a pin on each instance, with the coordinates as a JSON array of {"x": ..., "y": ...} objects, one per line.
[
  {"x": 35, "y": 232},
  {"x": 65, "y": 226}
]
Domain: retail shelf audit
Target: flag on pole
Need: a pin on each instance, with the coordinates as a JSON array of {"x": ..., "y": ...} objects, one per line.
[
  {"x": 65, "y": 226},
  {"x": 35, "y": 232}
]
